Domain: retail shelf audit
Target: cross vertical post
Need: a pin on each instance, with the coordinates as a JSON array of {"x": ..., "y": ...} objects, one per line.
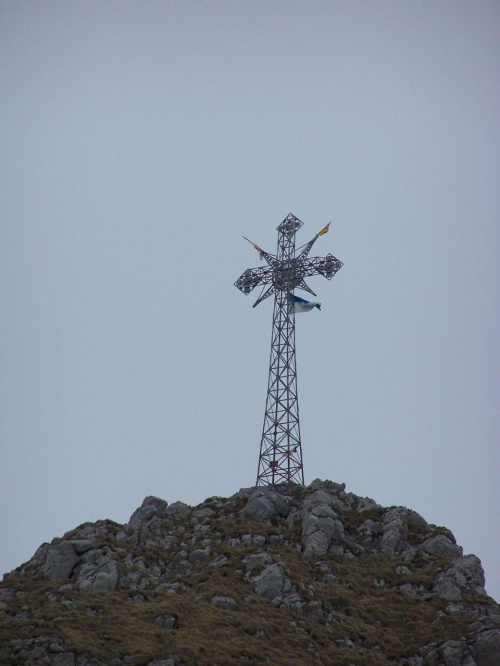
[{"x": 280, "y": 457}]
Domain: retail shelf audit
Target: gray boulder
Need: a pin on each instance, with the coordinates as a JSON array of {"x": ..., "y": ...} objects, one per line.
[
  {"x": 318, "y": 497},
  {"x": 150, "y": 507},
  {"x": 98, "y": 577},
  {"x": 167, "y": 621},
  {"x": 472, "y": 571},
  {"x": 365, "y": 504},
  {"x": 486, "y": 648},
  {"x": 415, "y": 518},
  {"x": 245, "y": 492},
  {"x": 224, "y": 602},
  {"x": 455, "y": 652},
  {"x": 394, "y": 538},
  {"x": 265, "y": 506},
  {"x": 293, "y": 604},
  {"x": 199, "y": 555},
  {"x": 465, "y": 573},
  {"x": 60, "y": 561},
  {"x": 447, "y": 587},
  {"x": 441, "y": 545},
  {"x": 80, "y": 546},
  {"x": 38, "y": 559},
  {"x": 220, "y": 561},
  {"x": 329, "y": 486},
  {"x": 178, "y": 511},
  {"x": 320, "y": 524},
  {"x": 317, "y": 543},
  {"x": 257, "y": 560},
  {"x": 272, "y": 582},
  {"x": 202, "y": 515}
]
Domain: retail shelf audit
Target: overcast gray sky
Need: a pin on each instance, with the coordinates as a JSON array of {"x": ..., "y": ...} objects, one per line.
[{"x": 139, "y": 141}]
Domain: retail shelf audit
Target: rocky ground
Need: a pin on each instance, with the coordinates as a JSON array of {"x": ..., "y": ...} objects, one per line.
[{"x": 283, "y": 575}]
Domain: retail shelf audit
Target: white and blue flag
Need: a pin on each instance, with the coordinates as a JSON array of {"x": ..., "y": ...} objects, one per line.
[{"x": 301, "y": 305}]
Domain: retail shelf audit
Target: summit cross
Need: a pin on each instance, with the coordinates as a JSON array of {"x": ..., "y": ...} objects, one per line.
[{"x": 280, "y": 458}]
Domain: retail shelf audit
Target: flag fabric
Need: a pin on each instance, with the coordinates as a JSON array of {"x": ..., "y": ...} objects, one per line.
[
  {"x": 324, "y": 230},
  {"x": 261, "y": 254},
  {"x": 301, "y": 305},
  {"x": 252, "y": 243}
]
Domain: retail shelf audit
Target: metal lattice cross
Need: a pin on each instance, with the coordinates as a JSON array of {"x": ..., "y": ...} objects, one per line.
[{"x": 280, "y": 459}]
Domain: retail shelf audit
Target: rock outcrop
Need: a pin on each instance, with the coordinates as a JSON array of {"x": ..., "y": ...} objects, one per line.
[{"x": 283, "y": 575}]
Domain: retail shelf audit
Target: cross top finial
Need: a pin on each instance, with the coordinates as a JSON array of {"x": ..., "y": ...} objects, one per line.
[{"x": 290, "y": 225}]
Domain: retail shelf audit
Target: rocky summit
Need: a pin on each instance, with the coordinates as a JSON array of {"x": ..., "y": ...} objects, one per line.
[{"x": 283, "y": 575}]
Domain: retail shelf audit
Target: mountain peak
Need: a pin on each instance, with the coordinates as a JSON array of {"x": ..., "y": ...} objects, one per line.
[{"x": 280, "y": 575}]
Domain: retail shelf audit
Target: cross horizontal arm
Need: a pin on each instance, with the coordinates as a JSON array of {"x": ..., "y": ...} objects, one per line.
[
  {"x": 253, "y": 277},
  {"x": 326, "y": 266}
]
